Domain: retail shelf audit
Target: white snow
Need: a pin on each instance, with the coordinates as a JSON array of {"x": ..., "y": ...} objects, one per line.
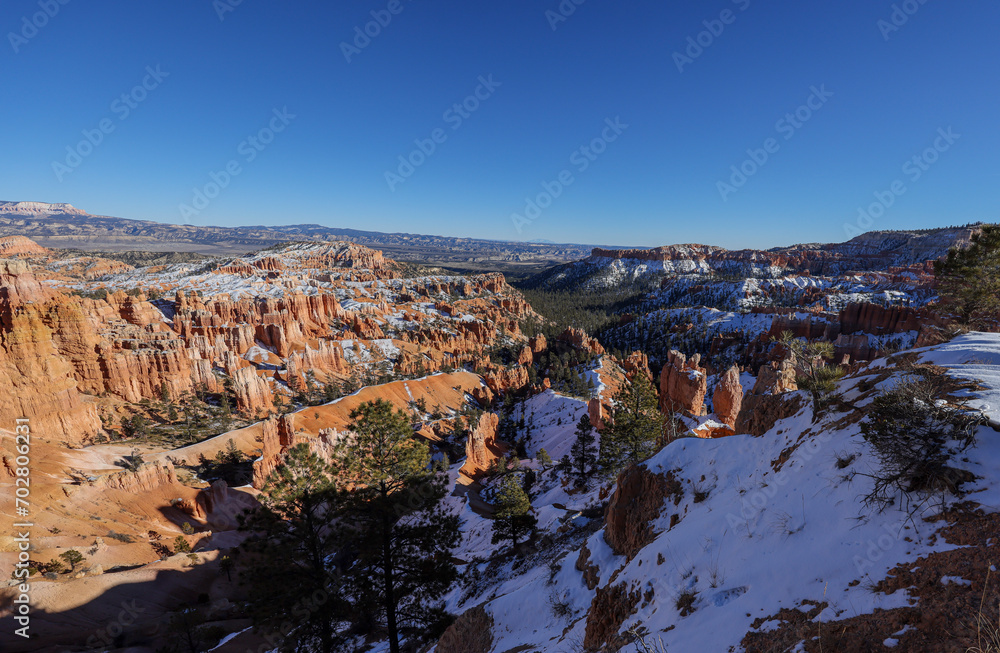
[{"x": 760, "y": 541}]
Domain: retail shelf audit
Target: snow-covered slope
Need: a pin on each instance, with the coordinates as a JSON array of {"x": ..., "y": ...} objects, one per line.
[{"x": 759, "y": 525}]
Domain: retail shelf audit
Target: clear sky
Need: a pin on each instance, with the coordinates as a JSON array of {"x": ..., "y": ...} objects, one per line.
[{"x": 882, "y": 78}]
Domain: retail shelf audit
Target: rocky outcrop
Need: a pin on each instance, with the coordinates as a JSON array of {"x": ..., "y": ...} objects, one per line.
[
  {"x": 776, "y": 377},
  {"x": 591, "y": 572},
  {"x": 277, "y": 436},
  {"x": 39, "y": 383},
  {"x": 145, "y": 479},
  {"x": 683, "y": 385},
  {"x": 639, "y": 497},
  {"x": 481, "y": 446},
  {"x": 805, "y": 326},
  {"x": 11, "y": 246},
  {"x": 878, "y": 320},
  {"x": 769, "y": 400},
  {"x": 324, "y": 361},
  {"x": 761, "y": 412},
  {"x": 637, "y": 363},
  {"x": 219, "y": 506},
  {"x": 18, "y": 286},
  {"x": 579, "y": 339},
  {"x": 538, "y": 345},
  {"x": 253, "y": 393},
  {"x": 504, "y": 379},
  {"x": 609, "y": 609},
  {"x": 728, "y": 397},
  {"x": 595, "y": 410},
  {"x": 472, "y": 632}
]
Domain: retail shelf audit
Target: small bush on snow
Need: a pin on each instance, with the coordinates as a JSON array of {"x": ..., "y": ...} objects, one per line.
[{"x": 915, "y": 431}]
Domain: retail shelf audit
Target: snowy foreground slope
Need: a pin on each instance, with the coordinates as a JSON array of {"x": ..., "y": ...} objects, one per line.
[{"x": 759, "y": 525}]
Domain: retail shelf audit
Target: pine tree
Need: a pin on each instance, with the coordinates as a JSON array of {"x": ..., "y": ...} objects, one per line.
[
  {"x": 543, "y": 458},
  {"x": 583, "y": 451},
  {"x": 512, "y": 519},
  {"x": 969, "y": 279},
  {"x": 72, "y": 558},
  {"x": 291, "y": 546},
  {"x": 635, "y": 428},
  {"x": 811, "y": 368},
  {"x": 402, "y": 534}
]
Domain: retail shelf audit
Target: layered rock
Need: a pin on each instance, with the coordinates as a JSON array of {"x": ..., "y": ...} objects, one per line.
[
  {"x": 145, "y": 479},
  {"x": 253, "y": 393},
  {"x": 11, "y": 246},
  {"x": 324, "y": 361},
  {"x": 40, "y": 384},
  {"x": 878, "y": 320},
  {"x": 18, "y": 286}
]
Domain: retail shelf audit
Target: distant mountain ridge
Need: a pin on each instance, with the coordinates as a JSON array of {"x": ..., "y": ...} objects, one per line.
[
  {"x": 65, "y": 226},
  {"x": 871, "y": 251}
]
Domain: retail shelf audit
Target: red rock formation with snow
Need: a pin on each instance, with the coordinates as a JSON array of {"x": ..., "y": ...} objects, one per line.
[{"x": 683, "y": 385}]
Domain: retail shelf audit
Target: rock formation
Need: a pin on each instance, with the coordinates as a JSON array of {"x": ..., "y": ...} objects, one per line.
[
  {"x": 638, "y": 499},
  {"x": 481, "y": 446},
  {"x": 40, "y": 384},
  {"x": 277, "y": 437},
  {"x": 769, "y": 400},
  {"x": 683, "y": 385},
  {"x": 728, "y": 397},
  {"x": 595, "y": 410},
  {"x": 579, "y": 339},
  {"x": 472, "y": 632},
  {"x": 145, "y": 479},
  {"x": 611, "y": 606},
  {"x": 11, "y": 246}
]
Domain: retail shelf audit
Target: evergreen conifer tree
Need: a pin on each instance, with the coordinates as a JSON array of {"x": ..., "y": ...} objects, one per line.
[{"x": 513, "y": 519}]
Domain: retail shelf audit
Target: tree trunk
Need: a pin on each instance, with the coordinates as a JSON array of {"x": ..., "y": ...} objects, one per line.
[{"x": 389, "y": 598}]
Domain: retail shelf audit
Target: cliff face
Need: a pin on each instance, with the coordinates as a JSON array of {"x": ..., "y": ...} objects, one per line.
[
  {"x": 254, "y": 327},
  {"x": 41, "y": 384}
]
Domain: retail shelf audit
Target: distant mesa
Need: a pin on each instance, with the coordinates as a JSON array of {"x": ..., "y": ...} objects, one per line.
[{"x": 39, "y": 208}]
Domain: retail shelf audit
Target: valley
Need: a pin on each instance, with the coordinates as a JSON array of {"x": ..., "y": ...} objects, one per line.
[{"x": 164, "y": 393}]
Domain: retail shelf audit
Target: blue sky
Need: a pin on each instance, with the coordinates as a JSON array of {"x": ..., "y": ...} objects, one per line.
[{"x": 554, "y": 80}]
